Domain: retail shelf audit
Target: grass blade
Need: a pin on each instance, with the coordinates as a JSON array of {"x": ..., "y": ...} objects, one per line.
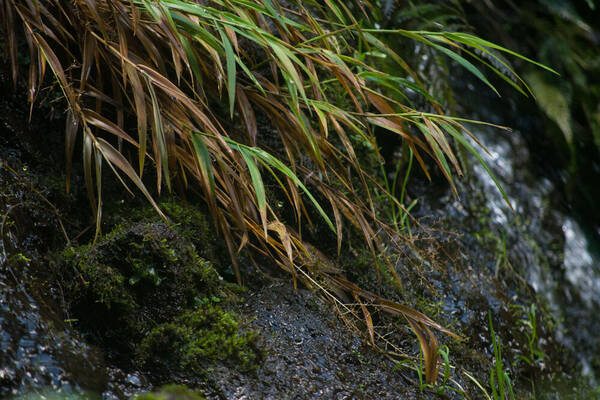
[
  {"x": 112, "y": 156},
  {"x": 258, "y": 185},
  {"x": 231, "y": 70}
]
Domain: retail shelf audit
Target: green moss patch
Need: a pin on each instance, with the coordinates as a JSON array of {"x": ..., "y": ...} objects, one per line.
[{"x": 195, "y": 338}]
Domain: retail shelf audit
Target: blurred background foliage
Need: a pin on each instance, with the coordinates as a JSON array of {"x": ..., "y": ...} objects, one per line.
[{"x": 565, "y": 35}]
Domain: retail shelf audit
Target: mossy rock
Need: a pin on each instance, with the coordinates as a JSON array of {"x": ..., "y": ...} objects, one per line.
[
  {"x": 172, "y": 392},
  {"x": 145, "y": 296},
  {"x": 197, "y": 338},
  {"x": 132, "y": 280},
  {"x": 189, "y": 221}
]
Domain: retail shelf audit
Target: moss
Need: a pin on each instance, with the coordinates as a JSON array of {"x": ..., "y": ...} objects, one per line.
[
  {"x": 196, "y": 338},
  {"x": 433, "y": 309},
  {"x": 137, "y": 276},
  {"x": 172, "y": 392},
  {"x": 189, "y": 221}
]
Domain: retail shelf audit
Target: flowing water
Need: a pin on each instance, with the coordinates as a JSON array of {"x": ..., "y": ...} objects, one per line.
[{"x": 549, "y": 247}]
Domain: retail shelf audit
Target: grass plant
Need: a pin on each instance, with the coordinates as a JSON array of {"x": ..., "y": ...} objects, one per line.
[
  {"x": 528, "y": 322},
  {"x": 419, "y": 367},
  {"x": 499, "y": 378},
  {"x": 234, "y": 97}
]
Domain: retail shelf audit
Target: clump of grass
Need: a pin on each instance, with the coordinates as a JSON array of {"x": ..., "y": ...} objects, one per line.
[
  {"x": 184, "y": 85},
  {"x": 528, "y": 322}
]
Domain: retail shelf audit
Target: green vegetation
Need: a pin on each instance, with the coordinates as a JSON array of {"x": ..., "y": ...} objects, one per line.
[
  {"x": 311, "y": 53},
  {"x": 274, "y": 114},
  {"x": 447, "y": 384},
  {"x": 499, "y": 378},
  {"x": 528, "y": 321},
  {"x": 196, "y": 338},
  {"x": 144, "y": 257}
]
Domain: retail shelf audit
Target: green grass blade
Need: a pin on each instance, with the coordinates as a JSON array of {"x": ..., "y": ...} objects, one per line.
[
  {"x": 467, "y": 38},
  {"x": 204, "y": 161},
  {"x": 269, "y": 159},
  {"x": 257, "y": 182},
  {"x": 272, "y": 161},
  {"x": 161, "y": 155},
  {"x": 276, "y": 14},
  {"x": 463, "y": 141},
  {"x": 466, "y": 64}
]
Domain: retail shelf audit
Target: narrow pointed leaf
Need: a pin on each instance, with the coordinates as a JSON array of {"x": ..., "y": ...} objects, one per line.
[
  {"x": 258, "y": 185},
  {"x": 117, "y": 159}
]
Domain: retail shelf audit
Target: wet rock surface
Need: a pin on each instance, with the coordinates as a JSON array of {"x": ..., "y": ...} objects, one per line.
[
  {"x": 37, "y": 352},
  {"x": 547, "y": 241},
  {"x": 309, "y": 354},
  {"x": 35, "y": 349}
]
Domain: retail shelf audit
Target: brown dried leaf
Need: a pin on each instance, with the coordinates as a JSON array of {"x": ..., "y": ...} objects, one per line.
[{"x": 112, "y": 156}]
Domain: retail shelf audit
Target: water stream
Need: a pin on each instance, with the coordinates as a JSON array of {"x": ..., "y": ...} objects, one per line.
[{"x": 547, "y": 246}]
